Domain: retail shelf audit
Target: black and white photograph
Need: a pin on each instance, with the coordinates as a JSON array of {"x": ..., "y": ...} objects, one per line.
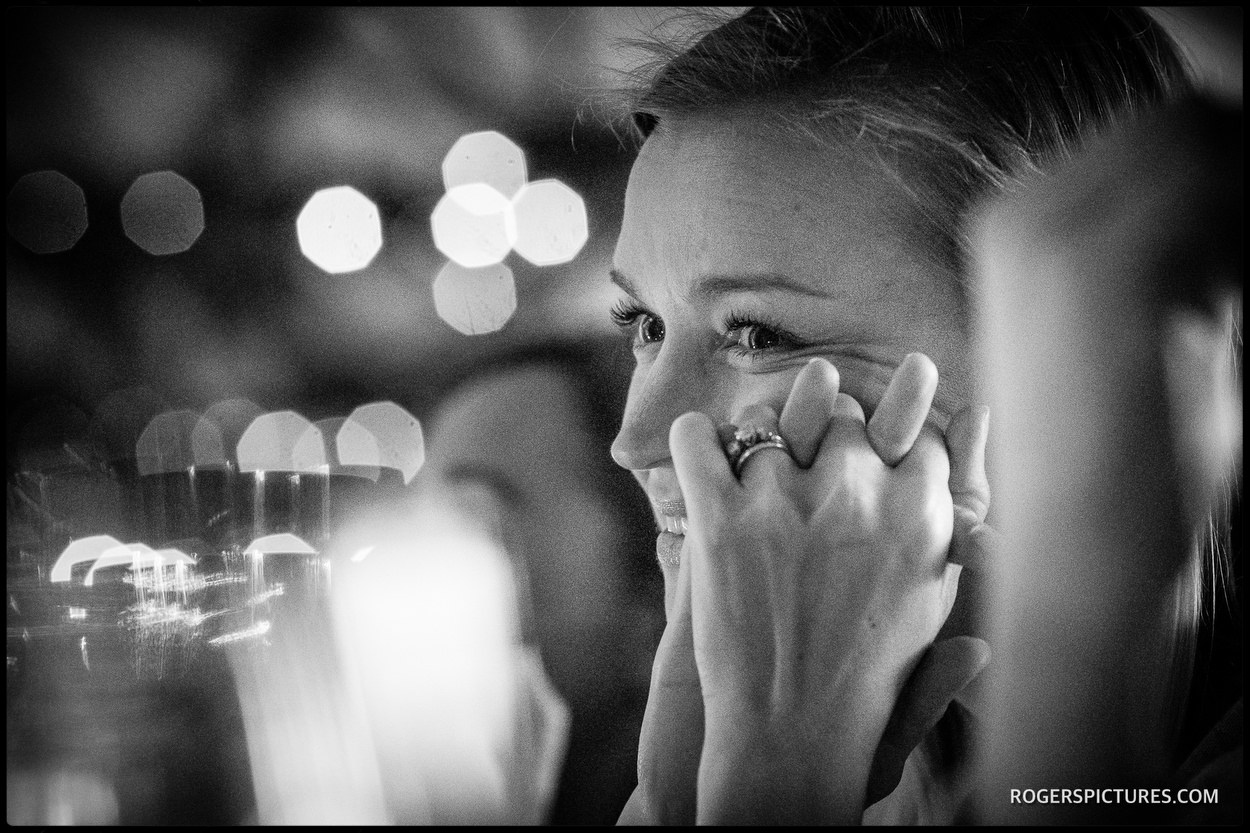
[{"x": 580, "y": 416}]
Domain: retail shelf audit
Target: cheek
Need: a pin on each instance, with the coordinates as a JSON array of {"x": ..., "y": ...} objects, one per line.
[
  {"x": 771, "y": 389},
  {"x": 862, "y": 380}
]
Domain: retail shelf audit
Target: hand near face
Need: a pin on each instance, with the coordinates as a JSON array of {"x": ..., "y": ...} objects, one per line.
[
  {"x": 952, "y": 662},
  {"x": 814, "y": 590},
  {"x": 672, "y": 726}
]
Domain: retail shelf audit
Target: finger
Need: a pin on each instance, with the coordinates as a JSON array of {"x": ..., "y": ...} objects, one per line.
[
  {"x": 844, "y": 438},
  {"x": 703, "y": 471},
  {"x": 677, "y": 642},
  {"x": 965, "y": 439},
  {"x": 945, "y": 670},
  {"x": 929, "y": 459},
  {"x": 845, "y": 407},
  {"x": 973, "y": 543},
  {"x": 672, "y": 734},
  {"x": 808, "y": 409},
  {"x": 764, "y": 460},
  {"x": 897, "y": 421}
]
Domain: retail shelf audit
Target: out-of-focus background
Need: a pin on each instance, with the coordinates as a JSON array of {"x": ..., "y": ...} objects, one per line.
[
  {"x": 159, "y": 162},
  {"x": 257, "y": 109}
]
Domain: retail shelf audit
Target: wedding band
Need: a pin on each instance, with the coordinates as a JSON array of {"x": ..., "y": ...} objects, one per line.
[{"x": 747, "y": 441}]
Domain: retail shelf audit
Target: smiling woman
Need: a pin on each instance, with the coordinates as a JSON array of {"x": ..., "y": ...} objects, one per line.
[
  {"x": 797, "y": 278},
  {"x": 710, "y": 259}
]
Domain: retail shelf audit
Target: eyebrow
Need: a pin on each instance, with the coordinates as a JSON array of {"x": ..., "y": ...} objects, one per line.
[{"x": 714, "y": 285}]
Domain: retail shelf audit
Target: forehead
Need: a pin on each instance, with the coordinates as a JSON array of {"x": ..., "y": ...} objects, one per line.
[{"x": 709, "y": 195}]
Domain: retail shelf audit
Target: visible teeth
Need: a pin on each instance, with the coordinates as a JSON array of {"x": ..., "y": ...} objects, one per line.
[{"x": 677, "y": 526}]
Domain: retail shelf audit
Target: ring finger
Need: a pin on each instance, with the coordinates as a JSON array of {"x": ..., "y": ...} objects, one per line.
[{"x": 760, "y": 459}]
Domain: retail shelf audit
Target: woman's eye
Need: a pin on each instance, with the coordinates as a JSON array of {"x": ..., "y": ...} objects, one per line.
[
  {"x": 640, "y": 326},
  {"x": 649, "y": 329},
  {"x": 751, "y": 338},
  {"x": 758, "y": 337}
]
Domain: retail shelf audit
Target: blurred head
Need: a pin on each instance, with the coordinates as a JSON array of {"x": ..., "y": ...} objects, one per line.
[
  {"x": 520, "y": 450},
  {"x": 801, "y": 184}
]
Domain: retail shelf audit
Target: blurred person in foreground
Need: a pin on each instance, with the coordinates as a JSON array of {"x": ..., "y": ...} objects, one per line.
[
  {"x": 805, "y": 248},
  {"x": 520, "y": 449}
]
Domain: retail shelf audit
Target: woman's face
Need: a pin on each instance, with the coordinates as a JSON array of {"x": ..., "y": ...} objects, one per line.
[{"x": 742, "y": 255}]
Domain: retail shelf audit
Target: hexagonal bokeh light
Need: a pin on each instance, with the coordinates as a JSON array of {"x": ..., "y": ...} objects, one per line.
[
  {"x": 339, "y": 230},
  {"x": 357, "y": 450},
  {"x": 81, "y": 551},
  {"x": 488, "y": 157},
  {"x": 473, "y": 225},
  {"x": 551, "y": 222},
  {"x": 282, "y": 542},
  {"x": 162, "y": 213},
  {"x": 277, "y": 442},
  {"x": 475, "y": 301},
  {"x": 136, "y": 556},
  {"x": 383, "y": 434},
  {"x": 47, "y": 212}
]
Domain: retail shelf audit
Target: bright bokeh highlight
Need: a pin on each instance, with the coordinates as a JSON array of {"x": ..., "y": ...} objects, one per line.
[
  {"x": 80, "y": 552},
  {"x": 550, "y": 221},
  {"x": 382, "y": 434},
  {"x": 445, "y": 717},
  {"x": 272, "y": 443},
  {"x": 488, "y": 157},
  {"x": 167, "y": 443},
  {"x": 339, "y": 230},
  {"x": 163, "y": 213},
  {"x": 329, "y": 430},
  {"x": 357, "y": 449},
  {"x": 137, "y": 556},
  {"x": 475, "y": 301},
  {"x": 310, "y": 453},
  {"x": 474, "y": 225},
  {"x": 283, "y": 542},
  {"x": 47, "y": 212}
]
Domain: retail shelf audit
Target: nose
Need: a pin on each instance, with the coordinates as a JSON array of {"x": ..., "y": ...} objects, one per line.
[{"x": 658, "y": 394}]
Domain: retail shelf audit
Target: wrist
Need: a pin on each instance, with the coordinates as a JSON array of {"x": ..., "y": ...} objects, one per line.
[{"x": 787, "y": 772}]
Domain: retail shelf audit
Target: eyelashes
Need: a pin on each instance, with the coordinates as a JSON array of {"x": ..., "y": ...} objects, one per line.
[
  {"x": 746, "y": 335},
  {"x": 624, "y": 313},
  {"x": 638, "y": 325},
  {"x": 749, "y": 334}
]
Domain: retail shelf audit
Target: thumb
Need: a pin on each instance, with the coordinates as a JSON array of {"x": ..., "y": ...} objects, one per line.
[
  {"x": 966, "y": 436},
  {"x": 671, "y": 740},
  {"x": 973, "y": 543},
  {"x": 944, "y": 671}
]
